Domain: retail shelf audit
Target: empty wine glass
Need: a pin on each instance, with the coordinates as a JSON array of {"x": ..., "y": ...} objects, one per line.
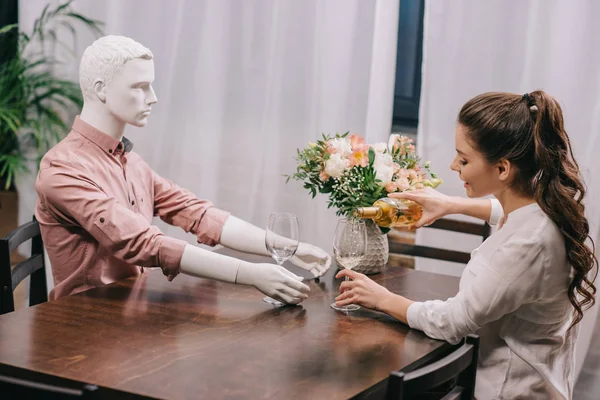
[
  {"x": 282, "y": 241},
  {"x": 349, "y": 248}
]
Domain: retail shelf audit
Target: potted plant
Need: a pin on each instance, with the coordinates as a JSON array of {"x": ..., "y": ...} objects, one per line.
[{"x": 35, "y": 102}]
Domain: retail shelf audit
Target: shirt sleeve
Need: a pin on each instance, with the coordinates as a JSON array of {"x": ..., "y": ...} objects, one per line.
[
  {"x": 179, "y": 207},
  {"x": 497, "y": 212},
  {"x": 74, "y": 198},
  {"x": 509, "y": 280}
]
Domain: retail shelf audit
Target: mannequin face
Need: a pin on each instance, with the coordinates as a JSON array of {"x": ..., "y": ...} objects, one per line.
[{"x": 129, "y": 96}]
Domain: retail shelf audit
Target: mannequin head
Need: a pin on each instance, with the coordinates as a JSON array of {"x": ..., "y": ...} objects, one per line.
[{"x": 116, "y": 75}]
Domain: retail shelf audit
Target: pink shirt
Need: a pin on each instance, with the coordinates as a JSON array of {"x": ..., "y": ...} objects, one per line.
[{"x": 96, "y": 200}]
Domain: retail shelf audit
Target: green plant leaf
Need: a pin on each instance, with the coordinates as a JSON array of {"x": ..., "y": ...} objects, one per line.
[
  {"x": 8, "y": 28},
  {"x": 371, "y": 156},
  {"x": 33, "y": 100}
]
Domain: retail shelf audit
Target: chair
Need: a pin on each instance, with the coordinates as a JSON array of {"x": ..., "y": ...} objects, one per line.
[
  {"x": 453, "y": 225},
  {"x": 19, "y": 383},
  {"x": 20, "y": 388},
  {"x": 424, "y": 383},
  {"x": 34, "y": 266}
]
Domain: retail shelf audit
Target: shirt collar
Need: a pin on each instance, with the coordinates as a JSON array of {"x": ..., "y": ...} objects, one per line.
[
  {"x": 519, "y": 213},
  {"x": 106, "y": 142}
]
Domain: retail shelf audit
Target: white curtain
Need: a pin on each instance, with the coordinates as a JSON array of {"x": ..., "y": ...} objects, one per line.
[
  {"x": 471, "y": 47},
  {"x": 242, "y": 84}
]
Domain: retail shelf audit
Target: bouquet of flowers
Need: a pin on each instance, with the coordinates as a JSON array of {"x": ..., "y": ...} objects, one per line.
[{"x": 356, "y": 174}]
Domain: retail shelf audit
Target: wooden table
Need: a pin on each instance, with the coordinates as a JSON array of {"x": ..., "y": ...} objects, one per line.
[{"x": 194, "y": 338}]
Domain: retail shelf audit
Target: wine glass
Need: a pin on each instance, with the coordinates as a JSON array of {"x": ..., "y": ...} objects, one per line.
[
  {"x": 282, "y": 241},
  {"x": 349, "y": 248}
]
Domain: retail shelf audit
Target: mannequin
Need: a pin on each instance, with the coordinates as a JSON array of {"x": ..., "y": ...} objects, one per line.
[{"x": 116, "y": 75}]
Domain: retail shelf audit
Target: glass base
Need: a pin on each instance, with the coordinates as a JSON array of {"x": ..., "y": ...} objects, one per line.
[
  {"x": 349, "y": 307},
  {"x": 271, "y": 300}
]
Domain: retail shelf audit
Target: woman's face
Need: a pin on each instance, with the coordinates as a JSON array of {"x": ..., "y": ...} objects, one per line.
[{"x": 480, "y": 177}]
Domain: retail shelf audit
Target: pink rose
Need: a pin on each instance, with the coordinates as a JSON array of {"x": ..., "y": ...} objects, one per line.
[
  {"x": 402, "y": 173},
  {"x": 391, "y": 187},
  {"x": 403, "y": 184},
  {"x": 412, "y": 174},
  {"x": 323, "y": 176}
]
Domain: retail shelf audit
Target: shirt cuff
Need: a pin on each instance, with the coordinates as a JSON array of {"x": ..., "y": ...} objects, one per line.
[
  {"x": 412, "y": 315},
  {"x": 211, "y": 226},
  {"x": 169, "y": 256},
  {"x": 497, "y": 212}
]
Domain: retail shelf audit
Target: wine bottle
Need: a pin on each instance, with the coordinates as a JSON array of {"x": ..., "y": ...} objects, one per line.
[{"x": 389, "y": 212}]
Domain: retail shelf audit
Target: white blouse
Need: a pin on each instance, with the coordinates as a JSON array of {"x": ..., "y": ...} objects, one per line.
[{"x": 513, "y": 293}]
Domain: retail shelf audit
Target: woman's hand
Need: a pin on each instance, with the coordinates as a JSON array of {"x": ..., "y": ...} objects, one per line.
[
  {"x": 367, "y": 293},
  {"x": 361, "y": 290},
  {"x": 435, "y": 204}
]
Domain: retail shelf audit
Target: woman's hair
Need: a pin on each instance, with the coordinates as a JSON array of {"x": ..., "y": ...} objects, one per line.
[{"x": 528, "y": 131}]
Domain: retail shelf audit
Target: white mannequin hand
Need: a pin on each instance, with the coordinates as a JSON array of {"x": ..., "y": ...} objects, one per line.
[
  {"x": 271, "y": 279},
  {"x": 274, "y": 281},
  {"x": 311, "y": 258},
  {"x": 242, "y": 236}
]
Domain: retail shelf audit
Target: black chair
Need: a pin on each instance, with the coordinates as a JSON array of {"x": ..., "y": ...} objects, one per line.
[
  {"x": 452, "y": 225},
  {"x": 34, "y": 266},
  {"x": 454, "y": 372},
  {"x": 19, "y": 388},
  {"x": 19, "y": 383}
]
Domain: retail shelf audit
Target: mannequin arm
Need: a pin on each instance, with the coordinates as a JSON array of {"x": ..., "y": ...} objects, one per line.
[
  {"x": 270, "y": 279},
  {"x": 245, "y": 237}
]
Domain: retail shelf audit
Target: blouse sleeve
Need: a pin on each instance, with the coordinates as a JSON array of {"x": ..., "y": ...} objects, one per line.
[{"x": 509, "y": 279}]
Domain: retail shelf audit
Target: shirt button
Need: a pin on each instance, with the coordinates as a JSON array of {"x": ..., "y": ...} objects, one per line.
[
  {"x": 132, "y": 202},
  {"x": 110, "y": 151},
  {"x": 102, "y": 220}
]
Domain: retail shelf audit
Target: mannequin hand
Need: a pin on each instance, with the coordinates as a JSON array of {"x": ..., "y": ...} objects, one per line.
[
  {"x": 311, "y": 258},
  {"x": 274, "y": 281},
  {"x": 435, "y": 204}
]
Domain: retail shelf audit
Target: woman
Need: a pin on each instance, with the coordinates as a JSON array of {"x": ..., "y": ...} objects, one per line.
[{"x": 526, "y": 286}]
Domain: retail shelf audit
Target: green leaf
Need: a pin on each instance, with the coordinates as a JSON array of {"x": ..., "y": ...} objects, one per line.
[
  {"x": 371, "y": 156},
  {"x": 34, "y": 102},
  {"x": 63, "y": 6},
  {"x": 8, "y": 28}
]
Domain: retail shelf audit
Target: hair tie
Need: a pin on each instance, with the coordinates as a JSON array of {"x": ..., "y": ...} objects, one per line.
[{"x": 530, "y": 102}]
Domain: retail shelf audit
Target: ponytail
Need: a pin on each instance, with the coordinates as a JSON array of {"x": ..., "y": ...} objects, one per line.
[{"x": 559, "y": 191}]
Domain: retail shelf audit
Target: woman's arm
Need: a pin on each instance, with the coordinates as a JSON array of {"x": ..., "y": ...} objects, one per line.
[
  {"x": 510, "y": 278},
  {"x": 437, "y": 205}
]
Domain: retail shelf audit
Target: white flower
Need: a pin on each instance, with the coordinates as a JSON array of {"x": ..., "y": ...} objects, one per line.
[
  {"x": 379, "y": 147},
  {"x": 384, "y": 168},
  {"x": 393, "y": 138},
  {"x": 336, "y": 165},
  {"x": 341, "y": 146}
]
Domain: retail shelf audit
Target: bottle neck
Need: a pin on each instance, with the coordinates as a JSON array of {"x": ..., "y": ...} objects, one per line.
[{"x": 368, "y": 212}]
